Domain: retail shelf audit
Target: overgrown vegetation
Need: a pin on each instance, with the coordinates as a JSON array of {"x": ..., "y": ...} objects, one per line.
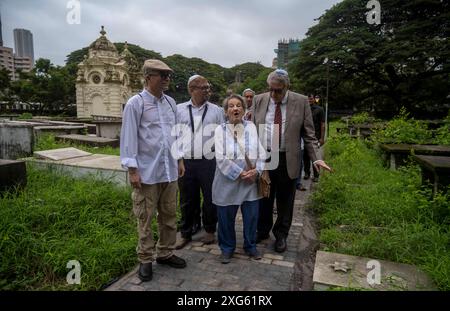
[
  {"x": 442, "y": 135},
  {"x": 366, "y": 210},
  {"x": 361, "y": 118},
  {"x": 403, "y": 129},
  {"x": 48, "y": 142},
  {"x": 57, "y": 219}
]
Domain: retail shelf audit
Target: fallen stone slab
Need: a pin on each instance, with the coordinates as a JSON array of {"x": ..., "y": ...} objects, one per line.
[{"x": 333, "y": 270}]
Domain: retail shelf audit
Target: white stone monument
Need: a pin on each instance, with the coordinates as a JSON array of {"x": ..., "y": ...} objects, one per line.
[{"x": 105, "y": 79}]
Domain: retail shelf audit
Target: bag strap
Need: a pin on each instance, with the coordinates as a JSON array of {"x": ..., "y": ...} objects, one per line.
[{"x": 143, "y": 104}]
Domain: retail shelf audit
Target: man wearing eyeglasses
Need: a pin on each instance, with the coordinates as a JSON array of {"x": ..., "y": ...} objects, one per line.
[
  {"x": 145, "y": 151},
  {"x": 201, "y": 119},
  {"x": 284, "y": 117}
]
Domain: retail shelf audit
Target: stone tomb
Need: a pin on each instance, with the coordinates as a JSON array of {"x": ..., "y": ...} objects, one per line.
[
  {"x": 12, "y": 174},
  {"x": 397, "y": 154},
  {"x": 338, "y": 270},
  {"x": 79, "y": 164},
  {"x": 61, "y": 154},
  {"x": 435, "y": 170},
  {"x": 88, "y": 140}
]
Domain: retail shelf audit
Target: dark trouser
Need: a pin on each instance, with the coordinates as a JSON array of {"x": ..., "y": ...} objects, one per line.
[
  {"x": 199, "y": 175},
  {"x": 298, "y": 182},
  {"x": 283, "y": 189},
  {"x": 227, "y": 232},
  {"x": 307, "y": 165}
]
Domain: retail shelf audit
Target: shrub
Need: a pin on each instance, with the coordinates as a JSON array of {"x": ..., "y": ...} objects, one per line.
[{"x": 403, "y": 130}]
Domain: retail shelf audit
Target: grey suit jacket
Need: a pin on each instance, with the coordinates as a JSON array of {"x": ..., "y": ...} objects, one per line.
[{"x": 299, "y": 122}]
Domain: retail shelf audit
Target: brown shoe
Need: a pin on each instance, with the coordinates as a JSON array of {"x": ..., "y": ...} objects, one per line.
[
  {"x": 209, "y": 238},
  {"x": 182, "y": 243}
]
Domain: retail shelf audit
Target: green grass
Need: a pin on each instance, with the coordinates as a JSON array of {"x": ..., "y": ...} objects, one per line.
[
  {"x": 367, "y": 210},
  {"x": 47, "y": 142},
  {"x": 57, "y": 219}
]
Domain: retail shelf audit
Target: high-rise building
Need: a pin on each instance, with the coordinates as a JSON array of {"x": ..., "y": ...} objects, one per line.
[
  {"x": 7, "y": 60},
  {"x": 287, "y": 51},
  {"x": 23, "y": 43},
  {"x": 1, "y": 36},
  {"x": 23, "y": 64}
]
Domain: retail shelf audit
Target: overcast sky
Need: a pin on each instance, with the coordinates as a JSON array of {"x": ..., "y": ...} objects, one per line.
[{"x": 226, "y": 32}]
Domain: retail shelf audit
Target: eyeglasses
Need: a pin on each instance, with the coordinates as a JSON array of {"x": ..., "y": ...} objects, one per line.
[
  {"x": 203, "y": 88},
  {"x": 163, "y": 75},
  {"x": 276, "y": 91}
]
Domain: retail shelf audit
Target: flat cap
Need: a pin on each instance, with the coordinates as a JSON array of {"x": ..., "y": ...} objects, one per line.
[{"x": 156, "y": 64}]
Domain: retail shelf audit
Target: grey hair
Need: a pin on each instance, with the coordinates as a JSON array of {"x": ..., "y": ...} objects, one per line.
[
  {"x": 280, "y": 76},
  {"x": 248, "y": 90},
  {"x": 238, "y": 97}
]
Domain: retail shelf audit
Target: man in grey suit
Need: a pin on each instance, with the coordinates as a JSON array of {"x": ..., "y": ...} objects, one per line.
[{"x": 290, "y": 112}]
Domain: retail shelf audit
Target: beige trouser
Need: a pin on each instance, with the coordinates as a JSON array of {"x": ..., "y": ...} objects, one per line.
[{"x": 161, "y": 197}]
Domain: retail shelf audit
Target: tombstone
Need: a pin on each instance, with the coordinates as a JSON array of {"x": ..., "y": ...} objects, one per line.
[
  {"x": 12, "y": 174},
  {"x": 338, "y": 270},
  {"x": 61, "y": 154},
  {"x": 88, "y": 140}
]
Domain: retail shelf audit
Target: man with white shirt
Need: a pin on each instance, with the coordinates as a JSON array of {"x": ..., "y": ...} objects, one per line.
[
  {"x": 200, "y": 118},
  {"x": 248, "y": 95},
  {"x": 145, "y": 151},
  {"x": 284, "y": 117}
]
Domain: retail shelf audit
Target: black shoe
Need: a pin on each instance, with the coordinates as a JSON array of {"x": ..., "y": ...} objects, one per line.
[
  {"x": 306, "y": 176},
  {"x": 196, "y": 228},
  {"x": 316, "y": 179},
  {"x": 182, "y": 242},
  {"x": 225, "y": 258},
  {"x": 259, "y": 238},
  {"x": 145, "y": 273},
  {"x": 173, "y": 261},
  {"x": 280, "y": 245}
]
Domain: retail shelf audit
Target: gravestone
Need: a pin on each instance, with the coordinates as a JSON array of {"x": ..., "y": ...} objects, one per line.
[
  {"x": 12, "y": 174},
  {"x": 345, "y": 271},
  {"x": 88, "y": 140},
  {"x": 435, "y": 170},
  {"x": 61, "y": 154}
]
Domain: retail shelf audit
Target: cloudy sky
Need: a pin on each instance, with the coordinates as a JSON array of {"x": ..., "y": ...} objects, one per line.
[{"x": 226, "y": 32}]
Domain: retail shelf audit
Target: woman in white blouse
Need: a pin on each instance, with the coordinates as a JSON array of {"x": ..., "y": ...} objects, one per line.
[{"x": 240, "y": 160}]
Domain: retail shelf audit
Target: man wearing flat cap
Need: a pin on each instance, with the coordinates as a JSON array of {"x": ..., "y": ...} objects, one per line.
[
  {"x": 145, "y": 151},
  {"x": 200, "y": 118}
]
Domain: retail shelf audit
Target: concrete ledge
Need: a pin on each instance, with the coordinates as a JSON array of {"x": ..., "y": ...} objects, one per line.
[{"x": 100, "y": 167}]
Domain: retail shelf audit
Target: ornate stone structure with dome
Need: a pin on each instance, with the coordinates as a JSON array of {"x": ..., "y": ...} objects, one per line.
[{"x": 105, "y": 79}]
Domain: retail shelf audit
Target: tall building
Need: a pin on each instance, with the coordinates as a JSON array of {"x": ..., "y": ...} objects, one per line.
[
  {"x": 23, "y": 43},
  {"x": 7, "y": 60},
  {"x": 287, "y": 51},
  {"x": 1, "y": 36},
  {"x": 22, "y": 64}
]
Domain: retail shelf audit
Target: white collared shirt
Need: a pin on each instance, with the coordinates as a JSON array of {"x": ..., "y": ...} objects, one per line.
[
  {"x": 203, "y": 137},
  {"x": 270, "y": 116},
  {"x": 146, "y": 140}
]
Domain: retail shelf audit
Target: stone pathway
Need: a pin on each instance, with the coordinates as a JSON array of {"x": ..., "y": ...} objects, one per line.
[{"x": 291, "y": 270}]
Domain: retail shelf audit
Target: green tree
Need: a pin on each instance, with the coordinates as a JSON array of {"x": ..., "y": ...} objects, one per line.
[
  {"x": 49, "y": 87},
  {"x": 403, "y": 61}
]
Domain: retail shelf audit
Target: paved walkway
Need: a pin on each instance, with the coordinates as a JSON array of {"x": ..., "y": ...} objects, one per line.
[{"x": 291, "y": 270}]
